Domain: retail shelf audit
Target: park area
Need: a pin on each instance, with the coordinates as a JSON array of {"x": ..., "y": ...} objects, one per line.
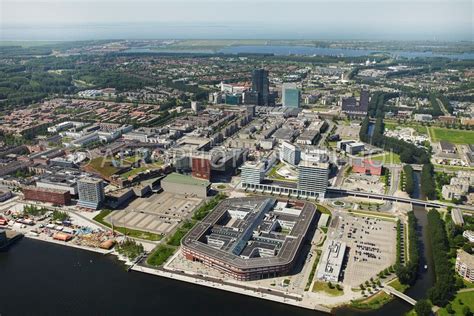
[
  {"x": 387, "y": 158},
  {"x": 460, "y": 302},
  {"x": 455, "y": 136}
]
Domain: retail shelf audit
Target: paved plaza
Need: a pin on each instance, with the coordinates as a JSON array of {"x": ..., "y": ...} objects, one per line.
[
  {"x": 364, "y": 182},
  {"x": 159, "y": 213},
  {"x": 348, "y": 131}
]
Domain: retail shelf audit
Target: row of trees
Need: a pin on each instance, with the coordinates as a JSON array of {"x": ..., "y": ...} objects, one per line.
[
  {"x": 409, "y": 153},
  {"x": 444, "y": 288},
  {"x": 428, "y": 184},
  {"x": 409, "y": 182},
  {"x": 407, "y": 273},
  {"x": 447, "y": 105}
]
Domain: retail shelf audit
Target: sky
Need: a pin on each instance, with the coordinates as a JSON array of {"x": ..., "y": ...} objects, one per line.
[{"x": 299, "y": 19}]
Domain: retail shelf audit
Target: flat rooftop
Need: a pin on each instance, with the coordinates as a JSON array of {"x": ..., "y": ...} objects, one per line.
[{"x": 252, "y": 233}]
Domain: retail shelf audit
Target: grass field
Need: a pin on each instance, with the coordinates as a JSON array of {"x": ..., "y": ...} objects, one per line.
[
  {"x": 374, "y": 214},
  {"x": 461, "y": 300},
  {"x": 390, "y": 158},
  {"x": 398, "y": 286},
  {"x": 127, "y": 231},
  {"x": 373, "y": 302},
  {"x": 324, "y": 287},
  {"x": 390, "y": 125},
  {"x": 160, "y": 255},
  {"x": 453, "y": 168},
  {"x": 313, "y": 271},
  {"x": 132, "y": 172},
  {"x": 273, "y": 174},
  {"x": 455, "y": 136},
  {"x": 103, "y": 166}
]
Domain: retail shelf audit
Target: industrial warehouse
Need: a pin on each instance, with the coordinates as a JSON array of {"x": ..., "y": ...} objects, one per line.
[{"x": 251, "y": 238}]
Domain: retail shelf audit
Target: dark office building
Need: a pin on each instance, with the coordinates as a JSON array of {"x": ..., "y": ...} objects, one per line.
[
  {"x": 261, "y": 85},
  {"x": 352, "y": 108}
]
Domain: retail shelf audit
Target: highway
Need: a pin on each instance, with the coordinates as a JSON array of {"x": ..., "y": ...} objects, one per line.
[{"x": 334, "y": 191}]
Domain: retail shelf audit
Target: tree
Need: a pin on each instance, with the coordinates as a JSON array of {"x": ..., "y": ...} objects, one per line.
[
  {"x": 467, "y": 247},
  {"x": 466, "y": 311},
  {"x": 428, "y": 185},
  {"x": 407, "y": 156},
  {"x": 409, "y": 183},
  {"x": 423, "y": 308},
  {"x": 449, "y": 309},
  {"x": 444, "y": 288}
]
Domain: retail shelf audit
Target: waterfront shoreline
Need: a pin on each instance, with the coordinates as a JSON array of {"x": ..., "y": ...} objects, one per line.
[
  {"x": 63, "y": 243},
  {"x": 229, "y": 288},
  {"x": 190, "y": 279}
]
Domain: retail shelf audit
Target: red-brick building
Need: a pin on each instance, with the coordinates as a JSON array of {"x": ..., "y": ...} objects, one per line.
[
  {"x": 367, "y": 167},
  {"x": 201, "y": 168},
  {"x": 58, "y": 197}
]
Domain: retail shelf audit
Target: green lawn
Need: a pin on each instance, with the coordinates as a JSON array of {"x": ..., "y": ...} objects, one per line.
[
  {"x": 160, "y": 255},
  {"x": 390, "y": 158},
  {"x": 455, "y": 136},
  {"x": 453, "y": 168},
  {"x": 467, "y": 299},
  {"x": 103, "y": 166},
  {"x": 374, "y": 302},
  {"x": 398, "y": 286},
  {"x": 313, "y": 271},
  {"x": 273, "y": 174},
  {"x": 132, "y": 172},
  {"x": 374, "y": 214},
  {"x": 143, "y": 167},
  {"x": 126, "y": 231},
  {"x": 332, "y": 144},
  {"x": 324, "y": 287},
  {"x": 391, "y": 125},
  {"x": 323, "y": 210}
]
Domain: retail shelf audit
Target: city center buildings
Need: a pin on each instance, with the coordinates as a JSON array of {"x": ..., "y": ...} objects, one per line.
[{"x": 91, "y": 193}]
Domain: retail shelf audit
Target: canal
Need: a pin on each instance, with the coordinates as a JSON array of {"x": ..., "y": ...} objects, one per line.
[{"x": 425, "y": 276}]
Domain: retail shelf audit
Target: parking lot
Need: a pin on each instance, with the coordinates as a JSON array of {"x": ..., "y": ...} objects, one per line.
[
  {"x": 371, "y": 242},
  {"x": 159, "y": 213}
]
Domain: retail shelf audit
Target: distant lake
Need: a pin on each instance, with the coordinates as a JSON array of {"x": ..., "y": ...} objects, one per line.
[
  {"x": 323, "y": 51},
  {"x": 285, "y": 50}
]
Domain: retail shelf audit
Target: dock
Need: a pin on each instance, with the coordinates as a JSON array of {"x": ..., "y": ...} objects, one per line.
[{"x": 8, "y": 238}]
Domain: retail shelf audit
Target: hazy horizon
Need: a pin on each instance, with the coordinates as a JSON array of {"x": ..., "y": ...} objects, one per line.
[{"x": 226, "y": 19}]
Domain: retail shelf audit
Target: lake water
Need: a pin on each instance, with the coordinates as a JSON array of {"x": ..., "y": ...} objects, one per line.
[
  {"x": 302, "y": 50},
  {"x": 38, "y": 278}
]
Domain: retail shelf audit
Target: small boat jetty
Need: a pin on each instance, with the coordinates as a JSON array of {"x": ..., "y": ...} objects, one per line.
[{"x": 8, "y": 237}]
